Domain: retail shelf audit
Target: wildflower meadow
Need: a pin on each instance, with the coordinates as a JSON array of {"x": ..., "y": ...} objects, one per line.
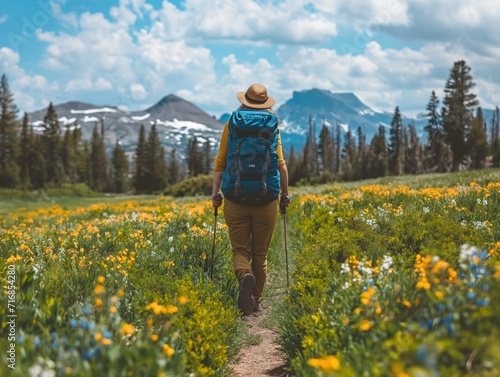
[
  {"x": 396, "y": 279},
  {"x": 388, "y": 278}
]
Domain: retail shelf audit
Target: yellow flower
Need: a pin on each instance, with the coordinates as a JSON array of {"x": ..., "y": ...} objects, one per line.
[
  {"x": 438, "y": 294},
  {"x": 98, "y": 336},
  {"x": 170, "y": 309},
  {"x": 13, "y": 259},
  {"x": 98, "y": 302},
  {"x": 101, "y": 279},
  {"x": 127, "y": 329},
  {"x": 167, "y": 350},
  {"x": 154, "y": 337},
  {"x": 328, "y": 364},
  {"x": 366, "y": 325},
  {"x": 113, "y": 309},
  {"x": 407, "y": 303},
  {"x": 106, "y": 342},
  {"x": 183, "y": 300},
  {"x": 424, "y": 284},
  {"x": 99, "y": 289},
  {"x": 120, "y": 293},
  {"x": 367, "y": 295}
]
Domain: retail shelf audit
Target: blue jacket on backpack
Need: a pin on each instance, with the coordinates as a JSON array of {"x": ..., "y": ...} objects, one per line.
[{"x": 251, "y": 176}]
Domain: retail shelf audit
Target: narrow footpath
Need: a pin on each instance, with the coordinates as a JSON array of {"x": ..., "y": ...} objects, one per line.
[{"x": 265, "y": 359}]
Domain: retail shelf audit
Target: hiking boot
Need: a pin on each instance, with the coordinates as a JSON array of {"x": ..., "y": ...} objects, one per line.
[
  {"x": 258, "y": 306},
  {"x": 246, "y": 303}
]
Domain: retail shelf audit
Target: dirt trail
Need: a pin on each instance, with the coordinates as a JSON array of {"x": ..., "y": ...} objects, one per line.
[{"x": 263, "y": 359}]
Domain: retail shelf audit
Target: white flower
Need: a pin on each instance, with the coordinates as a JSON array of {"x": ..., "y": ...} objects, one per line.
[
  {"x": 372, "y": 223},
  {"x": 344, "y": 268},
  {"x": 426, "y": 209},
  {"x": 386, "y": 263},
  {"x": 172, "y": 249},
  {"x": 170, "y": 239},
  {"x": 339, "y": 219},
  {"x": 485, "y": 202}
]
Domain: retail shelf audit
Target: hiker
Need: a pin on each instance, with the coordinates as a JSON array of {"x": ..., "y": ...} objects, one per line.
[{"x": 250, "y": 171}]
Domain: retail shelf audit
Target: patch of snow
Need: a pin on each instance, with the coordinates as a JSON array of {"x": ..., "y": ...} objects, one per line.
[
  {"x": 366, "y": 112},
  {"x": 87, "y": 119},
  {"x": 344, "y": 126},
  {"x": 125, "y": 120},
  {"x": 184, "y": 126},
  {"x": 141, "y": 117},
  {"x": 37, "y": 123},
  {"x": 93, "y": 111},
  {"x": 64, "y": 121},
  {"x": 291, "y": 128}
]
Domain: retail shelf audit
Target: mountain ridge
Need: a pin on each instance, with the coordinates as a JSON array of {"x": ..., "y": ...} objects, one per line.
[{"x": 178, "y": 119}]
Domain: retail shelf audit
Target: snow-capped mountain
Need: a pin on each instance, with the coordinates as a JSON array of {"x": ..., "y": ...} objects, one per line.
[
  {"x": 176, "y": 120},
  {"x": 344, "y": 109}
]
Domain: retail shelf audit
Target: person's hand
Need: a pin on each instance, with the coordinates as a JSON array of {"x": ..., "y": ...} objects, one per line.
[
  {"x": 217, "y": 200},
  {"x": 285, "y": 200}
]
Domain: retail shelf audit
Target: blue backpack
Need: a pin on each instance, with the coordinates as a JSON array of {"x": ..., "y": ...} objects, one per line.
[{"x": 251, "y": 176}]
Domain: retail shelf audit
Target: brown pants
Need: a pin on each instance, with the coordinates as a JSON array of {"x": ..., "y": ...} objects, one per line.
[{"x": 250, "y": 232}]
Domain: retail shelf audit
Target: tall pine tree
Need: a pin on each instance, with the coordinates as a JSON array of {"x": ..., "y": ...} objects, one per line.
[
  {"x": 27, "y": 145},
  {"x": 349, "y": 158},
  {"x": 495, "y": 138},
  {"x": 396, "y": 144},
  {"x": 458, "y": 110},
  {"x": 379, "y": 166},
  {"x": 9, "y": 141},
  {"x": 194, "y": 158},
  {"x": 435, "y": 148},
  {"x": 413, "y": 155},
  {"x": 120, "y": 169},
  {"x": 173, "y": 169},
  {"x": 51, "y": 141},
  {"x": 477, "y": 142},
  {"x": 156, "y": 167},
  {"x": 98, "y": 162},
  {"x": 141, "y": 156}
]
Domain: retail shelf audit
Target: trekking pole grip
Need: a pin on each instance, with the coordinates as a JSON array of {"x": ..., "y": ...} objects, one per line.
[{"x": 282, "y": 206}]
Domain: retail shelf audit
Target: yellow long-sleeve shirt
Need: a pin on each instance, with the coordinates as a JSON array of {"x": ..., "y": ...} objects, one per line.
[{"x": 220, "y": 160}]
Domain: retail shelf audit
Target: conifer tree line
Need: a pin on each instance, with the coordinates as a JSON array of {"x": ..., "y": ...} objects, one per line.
[
  {"x": 456, "y": 138},
  {"x": 48, "y": 158}
]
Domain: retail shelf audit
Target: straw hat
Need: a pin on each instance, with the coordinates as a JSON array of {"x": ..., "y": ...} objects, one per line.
[{"x": 256, "y": 97}]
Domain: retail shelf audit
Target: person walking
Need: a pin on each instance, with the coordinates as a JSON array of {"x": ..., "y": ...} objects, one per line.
[{"x": 251, "y": 173}]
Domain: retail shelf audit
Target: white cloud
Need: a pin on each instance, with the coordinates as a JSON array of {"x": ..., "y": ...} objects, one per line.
[
  {"x": 142, "y": 53},
  {"x": 287, "y": 22},
  {"x": 88, "y": 84},
  {"x": 472, "y": 25},
  {"x": 368, "y": 14},
  {"x": 29, "y": 91},
  {"x": 3, "y": 18}
]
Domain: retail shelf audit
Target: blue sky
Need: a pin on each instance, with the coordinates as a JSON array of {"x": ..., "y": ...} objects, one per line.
[{"x": 131, "y": 53}]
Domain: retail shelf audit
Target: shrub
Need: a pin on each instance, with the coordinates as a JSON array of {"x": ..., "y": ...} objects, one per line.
[{"x": 199, "y": 185}]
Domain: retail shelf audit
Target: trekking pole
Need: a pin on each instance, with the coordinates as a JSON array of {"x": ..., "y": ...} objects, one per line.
[
  {"x": 283, "y": 213},
  {"x": 213, "y": 244}
]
